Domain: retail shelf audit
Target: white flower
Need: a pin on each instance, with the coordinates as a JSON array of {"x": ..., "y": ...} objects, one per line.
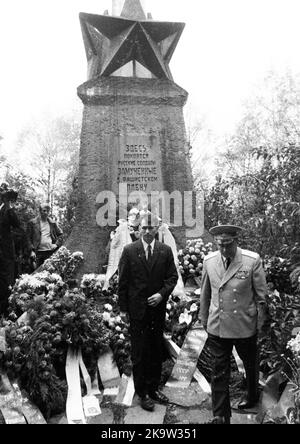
[
  {"x": 122, "y": 336},
  {"x": 187, "y": 257},
  {"x": 180, "y": 253},
  {"x": 118, "y": 319},
  {"x": 191, "y": 250},
  {"x": 56, "y": 277},
  {"x": 197, "y": 251},
  {"x": 167, "y": 317},
  {"x": 193, "y": 308},
  {"x": 169, "y": 306},
  {"x": 78, "y": 254},
  {"x": 108, "y": 307},
  {"x": 106, "y": 316},
  {"x": 118, "y": 328},
  {"x": 185, "y": 317},
  {"x": 194, "y": 258},
  {"x": 100, "y": 280},
  {"x": 294, "y": 345},
  {"x": 88, "y": 279}
]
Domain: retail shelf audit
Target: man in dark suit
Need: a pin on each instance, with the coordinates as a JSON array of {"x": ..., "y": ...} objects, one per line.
[
  {"x": 8, "y": 220},
  {"x": 232, "y": 310},
  {"x": 147, "y": 277}
]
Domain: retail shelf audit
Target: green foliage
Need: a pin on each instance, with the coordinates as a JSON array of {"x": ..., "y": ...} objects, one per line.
[
  {"x": 265, "y": 201},
  {"x": 284, "y": 312}
]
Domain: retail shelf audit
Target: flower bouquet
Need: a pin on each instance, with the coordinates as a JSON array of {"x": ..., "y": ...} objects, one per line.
[
  {"x": 37, "y": 347},
  {"x": 119, "y": 339},
  {"x": 63, "y": 262},
  {"x": 191, "y": 259},
  {"x": 180, "y": 315}
]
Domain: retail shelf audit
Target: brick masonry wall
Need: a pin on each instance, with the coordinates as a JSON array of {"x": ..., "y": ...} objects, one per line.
[{"x": 114, "y": 106}]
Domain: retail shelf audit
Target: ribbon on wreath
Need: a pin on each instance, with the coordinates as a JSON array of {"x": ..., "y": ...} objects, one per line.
[
  {"x": 109, "y": 373},
  {"x": 2, "y": 340},
  {"x": 79, "y": 408},
  {"x": 29, "y": 410},
  {"x": 10, "y": 405},
  {"x": 186, "y": 363},
  {"x": 91, "y": 405},
  {"x": 174, "y": 351},
  {"x": 165, "y": 236},
  {"x": 121, "y": 238},
  {"x": 122, "y": 388},
  {"x": 126, "y": 391},
  {"x": 74, "y": 407}
]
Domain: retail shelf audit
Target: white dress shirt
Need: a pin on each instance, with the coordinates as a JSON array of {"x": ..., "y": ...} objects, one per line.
[{"x": 145, "y": 245}]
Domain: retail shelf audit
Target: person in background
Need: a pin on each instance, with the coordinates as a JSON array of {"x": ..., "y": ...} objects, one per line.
[
  {"x": 147, "y": 277},
  {"x": 8, "y": 221},
  {"x": 44, "y": 236},
  {"x": 232, "y": 311}
]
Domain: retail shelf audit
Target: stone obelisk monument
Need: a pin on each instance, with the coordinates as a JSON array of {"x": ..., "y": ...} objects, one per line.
[{"x": 133, "y": 130}]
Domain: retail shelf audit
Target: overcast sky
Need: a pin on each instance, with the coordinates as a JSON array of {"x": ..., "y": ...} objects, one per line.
[{"x": 226, "y": 47}]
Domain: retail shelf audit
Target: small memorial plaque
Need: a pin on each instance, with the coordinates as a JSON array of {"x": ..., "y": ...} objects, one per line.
[{"x": 137, "y": 163}]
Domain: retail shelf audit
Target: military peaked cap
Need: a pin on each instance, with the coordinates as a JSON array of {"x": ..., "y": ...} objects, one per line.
[{"x": 226, "y": 230}]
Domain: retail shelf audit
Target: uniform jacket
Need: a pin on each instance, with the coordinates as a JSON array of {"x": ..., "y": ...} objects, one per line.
[
  {"x": 230, "y": 299},
  {"x": 8, "y": 220},
  {"x": 138, "y": 280},
  {"x": 34, "y": 232}
]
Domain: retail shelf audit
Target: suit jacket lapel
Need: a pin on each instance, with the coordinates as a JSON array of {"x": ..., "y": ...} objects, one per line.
[
  {"x": 141, "y": 255},
  {"x": 219, "y": 267},
  {"x": 233, "y": 267}
]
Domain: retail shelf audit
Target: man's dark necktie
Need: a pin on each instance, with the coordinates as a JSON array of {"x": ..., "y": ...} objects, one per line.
[
  {"x": 227, "y": 263},
  {"x": 149, "y": 254}
]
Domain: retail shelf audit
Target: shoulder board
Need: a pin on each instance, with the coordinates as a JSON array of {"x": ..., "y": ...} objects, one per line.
[
  {"x": 250, "y": 254},
  {"x": 211, "y": 255}
]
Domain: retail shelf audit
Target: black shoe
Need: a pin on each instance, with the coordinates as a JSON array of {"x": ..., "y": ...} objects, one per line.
[
  {"x": 219, "y": 420},
  {"x": 159, "y": 397},
  {"x": 247, "y": 404},
  {"x": 147, "y": 403}
]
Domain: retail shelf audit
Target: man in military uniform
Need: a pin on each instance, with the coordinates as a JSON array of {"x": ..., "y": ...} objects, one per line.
[{"x": 232, "y": 310}]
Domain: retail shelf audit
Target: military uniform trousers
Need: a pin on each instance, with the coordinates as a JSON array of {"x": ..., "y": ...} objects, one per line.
[{"x": 221, "y": 349}]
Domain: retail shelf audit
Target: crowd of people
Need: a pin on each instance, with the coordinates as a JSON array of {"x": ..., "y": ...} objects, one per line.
[
  {"x": 23, "y": 249},
  {"x": 232, "y": 298}
]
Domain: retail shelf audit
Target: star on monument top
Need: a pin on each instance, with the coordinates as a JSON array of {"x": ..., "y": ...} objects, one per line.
[
  {"x": 133, "y": 9},
  {"x": 112, "y": 42}
]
